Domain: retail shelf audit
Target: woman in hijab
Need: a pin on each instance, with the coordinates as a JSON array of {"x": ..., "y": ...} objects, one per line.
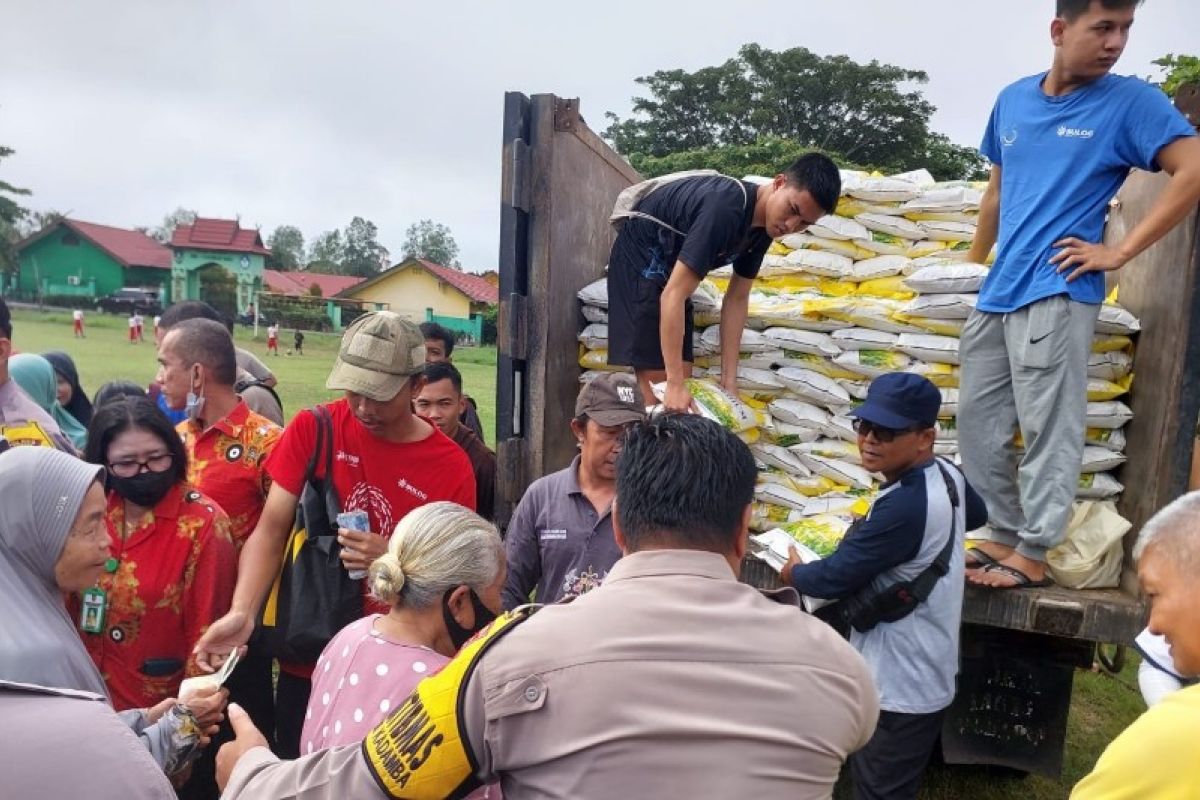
[
  {"x": 36, "y": 377},
  {"x": 71, "y": 395},
  {"x": 53, "y": 541}
]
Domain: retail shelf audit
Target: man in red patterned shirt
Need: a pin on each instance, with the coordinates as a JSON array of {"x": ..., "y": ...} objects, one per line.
[
  {"x": 227, "y": 446},
  {"x": 386, "y": 462}
]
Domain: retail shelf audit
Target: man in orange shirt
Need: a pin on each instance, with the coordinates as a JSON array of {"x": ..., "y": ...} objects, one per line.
[{"x": 227, "y": 445}]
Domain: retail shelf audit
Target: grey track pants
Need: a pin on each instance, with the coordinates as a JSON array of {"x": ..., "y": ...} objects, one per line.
[{"x": 1026, "y": 370}]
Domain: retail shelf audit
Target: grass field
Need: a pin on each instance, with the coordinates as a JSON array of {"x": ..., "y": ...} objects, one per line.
[
  {"x": 106, "y": 355},
  {"x": 1102, "y": 705}
]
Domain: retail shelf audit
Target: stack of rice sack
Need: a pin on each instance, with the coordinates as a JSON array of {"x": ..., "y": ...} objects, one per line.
[{"x": 880, "y": 286}]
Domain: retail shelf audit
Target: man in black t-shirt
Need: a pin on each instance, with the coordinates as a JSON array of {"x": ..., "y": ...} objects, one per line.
[{"x": 697, "y": 225}]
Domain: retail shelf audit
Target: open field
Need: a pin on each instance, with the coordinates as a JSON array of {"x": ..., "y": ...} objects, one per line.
[{"x": 106, "y": 355}]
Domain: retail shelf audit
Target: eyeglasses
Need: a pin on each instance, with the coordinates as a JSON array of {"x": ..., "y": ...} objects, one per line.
[
  {"x": 130, "y": 467},
  {"x": 864, "y": 428}
]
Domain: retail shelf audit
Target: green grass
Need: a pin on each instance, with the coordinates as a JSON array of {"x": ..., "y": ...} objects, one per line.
[
  {"x": 107, "y": 355},
  {"x": 1101, "y": 707}
]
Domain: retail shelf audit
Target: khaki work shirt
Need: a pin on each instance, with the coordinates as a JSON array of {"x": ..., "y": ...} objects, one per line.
[{"x": 670, "y": 680}]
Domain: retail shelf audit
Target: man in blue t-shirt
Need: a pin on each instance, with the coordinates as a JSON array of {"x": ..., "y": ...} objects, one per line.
[
  {"x": 680, "y": 232},
  {"x": 1061, "y": 144}
]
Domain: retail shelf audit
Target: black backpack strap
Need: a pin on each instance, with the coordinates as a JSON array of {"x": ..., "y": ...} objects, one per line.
[{"x": 922, "y": 585}]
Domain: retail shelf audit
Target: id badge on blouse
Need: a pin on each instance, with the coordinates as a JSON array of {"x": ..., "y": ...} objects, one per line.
[{"x": 91, "y": 615}]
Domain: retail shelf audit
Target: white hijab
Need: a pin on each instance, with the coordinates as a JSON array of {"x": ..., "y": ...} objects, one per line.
[{"x": 41, "y": 492}]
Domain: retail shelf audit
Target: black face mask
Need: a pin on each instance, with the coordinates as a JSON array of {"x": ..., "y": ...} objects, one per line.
[
  {"x": 458, "y": 634},
  {"x": 144, "y": 489}
]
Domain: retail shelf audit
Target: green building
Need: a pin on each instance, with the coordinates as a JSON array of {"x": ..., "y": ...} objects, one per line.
[
  {"x": 71, "y": 258},
  {"x": 215, "y": 260},
  {"x": 218, "y": 261}
]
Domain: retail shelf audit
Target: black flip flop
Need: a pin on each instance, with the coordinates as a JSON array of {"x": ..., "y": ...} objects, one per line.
[
  {"x": 982, "y": 559},
  {"x": 1023, "y": 581}
]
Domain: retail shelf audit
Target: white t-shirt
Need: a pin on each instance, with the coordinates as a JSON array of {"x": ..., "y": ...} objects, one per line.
[
  {"x": 77, "y": 315},
  {"x": 133, "y": 322}
]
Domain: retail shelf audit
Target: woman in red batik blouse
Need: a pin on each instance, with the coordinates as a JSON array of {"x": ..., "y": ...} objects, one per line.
[{"x": 173, "y": 565}]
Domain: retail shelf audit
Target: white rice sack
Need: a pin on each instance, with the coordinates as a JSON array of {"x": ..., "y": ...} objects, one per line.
[
  {"x": 947, "y": 231},
  {"x": 838, "y": 471},
  {"x": 716, "y": 404},
  {"x": 1113, "y": 439},
  {"x": 799, "y": 413},
  {"x": 818, "y": 262},
  {"x": 864, "y": 339},
  {"x": 921, "y": 178},
  {"x": 1108, "y": 415},
  {"x": 768, "y": 359},
  {"x": 593, "y": 314},
  {"x": 880, "y": 313},
  {"x": 589, "y": 375},
  {"x": 785, "y": 434},
  {"x": 943, "y": 376},
  {"x": 803, "y": 241},
  {"x": 1098, "y": 486},
  {"x": 793, "y": 340},
  {"x": 872, "y": 363},
  {"x": 941, "y": 306},
  {"x": 1114, "y": 319},
  {"x": 950, "y": 199},
  {"x": 707, "y": 297},
  {"x": 778, "y": 495},
  {"x": 884, "y": 244},
  {"x": 1100, "y": 459},
  {"x": 947, "y": 430},
  {"x": 595, "y": 293},
  {"x": 831, "y": 226},
  {"x": 1111, "y": 366},
  {"x": 752, "y": 379},
  {"x": 892, "y": 226},
  {"x": 883, "y": 189},
  {"x": 879, "y": 267},
  {"x": 837, "y": 504},
  {"x": 830, "y": 448},
  {"x": 780, "y": 458},
  {"x": 752, "y": 341},
  {"x": 949, "y": 408},
  {"x": 814, "y": 387},
  {"x": 856, "y": 389},
  {"x": 926, "y": 347},
  {"x": 840, "y": 427},
  {"x": 944, "y": 448},
  {"x": 947, "y": 278},
  {"x": 595, "y": 336}
]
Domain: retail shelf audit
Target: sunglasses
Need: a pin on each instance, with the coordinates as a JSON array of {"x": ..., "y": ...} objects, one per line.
[{"x": 864, "y": 428}]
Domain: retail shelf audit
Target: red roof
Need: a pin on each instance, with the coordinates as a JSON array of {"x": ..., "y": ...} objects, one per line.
[
  {"x": 297, "y": 284},
  {"x": 218, "y": 234},
  {"x": 473, "y": 286},
  {"x": 126, "y": 247}
]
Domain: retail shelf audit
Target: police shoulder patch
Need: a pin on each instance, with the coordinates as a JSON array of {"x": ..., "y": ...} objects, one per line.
[{"x": 420, "y": 750}]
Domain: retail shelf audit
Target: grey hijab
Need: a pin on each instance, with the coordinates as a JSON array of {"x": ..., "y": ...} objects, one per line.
[{"x": 41, "y": 492}]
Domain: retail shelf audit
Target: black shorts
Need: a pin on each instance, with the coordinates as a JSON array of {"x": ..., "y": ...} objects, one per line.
[{"x": 633, "y": 310}]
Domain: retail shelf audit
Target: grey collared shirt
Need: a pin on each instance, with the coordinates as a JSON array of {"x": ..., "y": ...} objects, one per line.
[{"x": 557, "y": 541}]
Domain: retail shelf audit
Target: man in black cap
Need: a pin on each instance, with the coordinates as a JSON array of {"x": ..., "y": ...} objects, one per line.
[
  {"x": 899, "y": 575},
  {"x": 560, "y": 541}
]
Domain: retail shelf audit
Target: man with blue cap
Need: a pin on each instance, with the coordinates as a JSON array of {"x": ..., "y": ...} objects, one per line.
[{"x": 899, "y": 576}]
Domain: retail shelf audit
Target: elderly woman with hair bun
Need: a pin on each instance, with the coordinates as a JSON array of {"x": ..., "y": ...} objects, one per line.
[{"x": 442, "y": 576}]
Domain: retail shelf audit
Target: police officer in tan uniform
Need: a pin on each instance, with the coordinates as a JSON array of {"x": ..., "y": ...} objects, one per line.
[{"x": 672, "y": 679}]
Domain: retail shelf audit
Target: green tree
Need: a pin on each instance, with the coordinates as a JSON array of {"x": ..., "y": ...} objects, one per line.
[
  {"x": 866, "y": 113},
  {"x": 39, "y": 220},
  {"x": 1179, "y": 70},
  {"x": 180, "y": 216},
  {"x": 287, "y": 248},
  {"x": 431, "y": 241},
  {"x": 362, "y": 254},
  {"x": 326, "y": 253},
  {"x": 11, "y": 216}
]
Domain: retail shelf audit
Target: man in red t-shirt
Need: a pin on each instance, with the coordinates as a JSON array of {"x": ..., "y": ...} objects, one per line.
[{"x": 386, "y": 462}]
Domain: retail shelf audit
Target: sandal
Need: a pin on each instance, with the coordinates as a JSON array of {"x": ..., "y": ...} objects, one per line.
[
  {"x": 1023, "y": 581},
  {"x": 982, "y": 560}
]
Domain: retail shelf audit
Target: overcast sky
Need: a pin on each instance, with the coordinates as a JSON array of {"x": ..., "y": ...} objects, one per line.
[{"x": 309, "y": 112}]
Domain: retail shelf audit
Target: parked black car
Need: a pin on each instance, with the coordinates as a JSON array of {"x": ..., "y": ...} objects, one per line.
[
  {"x": 131, "y": 301},
  {"x": 248, "y": 320}
]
